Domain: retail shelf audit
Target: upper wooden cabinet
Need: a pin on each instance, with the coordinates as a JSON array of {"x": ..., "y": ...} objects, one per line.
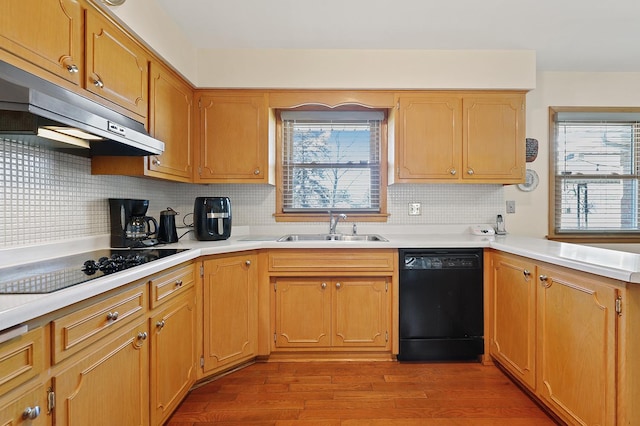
[
  {"x": 493, "y": 138},
  {"x": 429, "y": 136},
  {"x": 460, "y": 137},
  {"x": 117, "y": 68},
  {"x": 47, "y": 34},
  {"x": 233, "y": 137},
  {"x": 171, "y": 121}
]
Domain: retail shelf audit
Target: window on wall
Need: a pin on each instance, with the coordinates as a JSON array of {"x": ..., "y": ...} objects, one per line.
[
  {"x": 332, "y": 160},
  {"x": 596, "y": 173}
]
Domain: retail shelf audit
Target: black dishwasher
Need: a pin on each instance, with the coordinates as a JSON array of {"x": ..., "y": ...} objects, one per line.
[{"x": 441, "y": 305}]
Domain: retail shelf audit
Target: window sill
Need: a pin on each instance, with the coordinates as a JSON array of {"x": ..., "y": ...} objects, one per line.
[
  {"x": 323, "y": 217},
  {"x": 597, "y": 238}
]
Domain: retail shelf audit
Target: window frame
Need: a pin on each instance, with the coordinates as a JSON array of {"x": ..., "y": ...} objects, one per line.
[
  {"x": 578, "y": 236},
  {"x": 282, "y": 216}
]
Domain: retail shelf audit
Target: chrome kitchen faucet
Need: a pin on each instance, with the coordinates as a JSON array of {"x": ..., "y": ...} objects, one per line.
[{"x": 333, "y": 221}]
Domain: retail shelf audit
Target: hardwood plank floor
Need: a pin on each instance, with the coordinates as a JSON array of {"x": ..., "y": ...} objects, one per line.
[{"x": 360, "y": 393}]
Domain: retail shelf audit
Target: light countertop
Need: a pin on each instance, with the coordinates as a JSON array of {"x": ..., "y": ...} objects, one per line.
[{"x": 18, "y": 309}]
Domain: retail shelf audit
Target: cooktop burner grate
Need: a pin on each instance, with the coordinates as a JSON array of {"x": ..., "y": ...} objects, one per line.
[{"x": 56, "y": 274}]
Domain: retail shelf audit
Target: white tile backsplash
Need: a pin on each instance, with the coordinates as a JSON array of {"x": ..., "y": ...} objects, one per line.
[{"x": 47, "y": 195}]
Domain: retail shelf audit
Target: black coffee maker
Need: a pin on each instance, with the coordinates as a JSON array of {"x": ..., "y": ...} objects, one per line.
[
  {"x": 130, "y": 227},
  {"x": 212, "y": 218}
]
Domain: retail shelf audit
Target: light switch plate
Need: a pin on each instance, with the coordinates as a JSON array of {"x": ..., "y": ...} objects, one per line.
[
  {"x": 414, "y": 209},
  {"x": 511, "y": 206}
]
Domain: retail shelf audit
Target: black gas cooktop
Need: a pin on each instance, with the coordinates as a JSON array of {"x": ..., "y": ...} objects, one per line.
[{"x": 55, "y": 274}]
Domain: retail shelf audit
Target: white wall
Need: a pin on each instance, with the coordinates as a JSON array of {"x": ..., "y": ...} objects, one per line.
[
  {"x": 367, "y": 69},
  {"x": 561, "y": 89}
]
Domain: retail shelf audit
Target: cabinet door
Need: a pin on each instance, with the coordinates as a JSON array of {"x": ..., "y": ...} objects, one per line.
[
  {"x": 577, "y": 346},
  {"x": 493, "y": 143},
  {"x": 233, "y": 138},
  {"x": 117, "y": 68},
  {"x": 109, "y": 386},
  {"x": 361, "y": 312},
  {"x": 230, "y": 310},
  {"x": 170, "y": 120},
  {"x": 46, "y": 33},
  {"x": 30, "y": 401},
  {"x": 303, "y": 312},
  {"x": 429, "y": 137},
  {"x": 173, "y": 355},
  {"x": 513, "y": 310}
]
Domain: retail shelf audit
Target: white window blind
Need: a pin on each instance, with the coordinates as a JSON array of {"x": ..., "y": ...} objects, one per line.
[
  {"x": 596, "y": 175},
  {"x": 331, "y": 160}
]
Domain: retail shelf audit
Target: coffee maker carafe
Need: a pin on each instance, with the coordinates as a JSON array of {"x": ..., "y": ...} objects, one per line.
[{"x": 130, "y": 227}]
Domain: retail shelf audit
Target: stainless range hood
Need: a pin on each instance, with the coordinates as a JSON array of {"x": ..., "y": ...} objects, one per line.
[{"x": 35, "y": 111}]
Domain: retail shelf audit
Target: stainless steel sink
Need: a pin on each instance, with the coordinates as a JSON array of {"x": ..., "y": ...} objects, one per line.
[{"x": 331, "y": 237}]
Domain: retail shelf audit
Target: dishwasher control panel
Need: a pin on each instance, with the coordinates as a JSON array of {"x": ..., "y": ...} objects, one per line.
[{"x": 445, "y": 261}]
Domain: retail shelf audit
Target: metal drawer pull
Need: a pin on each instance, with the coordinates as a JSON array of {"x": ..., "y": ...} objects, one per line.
[
  {"x": 155, "y": 162},
  {"x": 98, "y": 83},
  {"x": 73, "y": 68},
  {"x": 160, "y": 324},
  {"x": 112, "y": 316},
  {"x": 452, "y": 171},
  {"x": 338, "y": 285},
  {"x": 247, "y": 262},
  {"x": 526, "y": 273},
  {"x": 178, "y": 283},
  {"x": 323, "y": 285},
  {"x": 142, "y": 335},
  {"x": 31, "y": 413}
]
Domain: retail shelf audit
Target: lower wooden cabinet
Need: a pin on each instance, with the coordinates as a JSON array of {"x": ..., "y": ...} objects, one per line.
[
  {"x": 27, "y": 405},
  {"x": 557, "y": 331},
  {"x": 577, "y": 346},
  {"x": 348, "y": 312},
  {"x": 230, "y": 312},
  {"x": 513, "y": 312},
  {"x": 109, "y": 385},
  {"x": 173, "y": 354}
]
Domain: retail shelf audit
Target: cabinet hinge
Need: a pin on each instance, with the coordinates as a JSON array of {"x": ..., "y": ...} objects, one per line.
[
  {"x": 199, "y": 103},
  {"x": 202, "y": 361},
  {"x": 274, "y": 337},
  {"x": 398, "y": 105},
  {"x": 51, "y": 400},
  {"x": 619, "y": 305},
  {"x": 275, "y": 286},
  {"x": 202, "y": 270},
  {"x": 200, "y": 170},
  {"x": 386, "y": 286},
  {"x": 386, "y": 336}
]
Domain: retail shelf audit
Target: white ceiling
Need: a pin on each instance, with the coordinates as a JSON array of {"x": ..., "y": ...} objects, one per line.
[{"x": 567, "y": 35}]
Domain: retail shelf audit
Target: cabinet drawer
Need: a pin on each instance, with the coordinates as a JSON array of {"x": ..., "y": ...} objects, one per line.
[
  {"x": 79, "y": 329},
  {"x": 21, "y": 358},
  {"x": 32, "y": 398},
  {"x": 333, "y": 260},
  {"x": 164, "y": 287}
]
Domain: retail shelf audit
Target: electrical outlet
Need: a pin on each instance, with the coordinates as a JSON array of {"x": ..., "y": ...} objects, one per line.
[
  {"x": 414, "y": 209},
  {"x": 511, "y": 206}
]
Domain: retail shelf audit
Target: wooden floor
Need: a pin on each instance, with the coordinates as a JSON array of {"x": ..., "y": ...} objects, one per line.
[{"x": 360, "y": 393}]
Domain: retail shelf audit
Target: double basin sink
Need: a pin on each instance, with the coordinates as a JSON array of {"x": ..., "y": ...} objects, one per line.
[{"x": 332, "y": 237}]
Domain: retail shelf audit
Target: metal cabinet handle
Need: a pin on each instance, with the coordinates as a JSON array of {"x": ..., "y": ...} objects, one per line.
[
  {"x": 31, "y": 413},
  {"x": 323, "y": 285},
  {"x": 73, "y": 68},
  {"x": 112, "y": 316},
  {"x": 256, "y": 172},
  {"x": 470, "y": 171},
  {"x": 97, "y": 82},
  {"x": 338, "y": 285},
  {"x": 452, "y": 171},
  {"x": 526, "y": 273},
  {"x": 155, "y": 162},
  {"x": 247, "y": 262},
  {"x": 178, "y": 283},
  {"x": 160, "y": 324},
  {"x": 142, "y": 335},
  {"x": 544, "y": 280}
]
